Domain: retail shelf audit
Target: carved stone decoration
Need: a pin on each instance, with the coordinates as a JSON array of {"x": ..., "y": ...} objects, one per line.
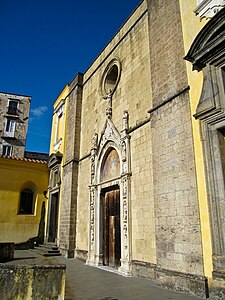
[
  {"x": 94, "y": 144},
  {"x": 124, "y": 149},
  {"x": 119, "y": 142},
  {"x": 109, "y": 105},
  {"x": 208, "y": 8},
  {"x": 94, "y": 141},
  {"x": 125, "y": 240},
  {"x": 124, "y": 187},
  {"x": 125, "y": 120},
  {"x": 110, "y": 134},
  {"x": 92, "y": 218},
  {"x": 125, "y": 215}
]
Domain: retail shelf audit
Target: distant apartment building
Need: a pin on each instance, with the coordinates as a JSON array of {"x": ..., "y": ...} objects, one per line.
[
  {"x": 23, "y": 177},
  {"x": 14, "y": 115}
]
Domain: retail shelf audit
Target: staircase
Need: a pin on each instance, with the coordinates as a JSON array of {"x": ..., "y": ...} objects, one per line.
[{"x": 47, "y": 250}]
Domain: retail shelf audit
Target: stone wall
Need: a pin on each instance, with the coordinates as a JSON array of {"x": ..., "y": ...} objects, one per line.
[
  {"x": 142, "y": 201},
  {"x": 178, "y": 233},
  {"x": 131, "y": 46},
  {"x": 32, "y": 282},
  {"x": 68, "y": 209}
]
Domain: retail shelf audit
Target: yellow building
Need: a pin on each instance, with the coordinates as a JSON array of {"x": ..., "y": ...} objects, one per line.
[
  {"x": 23, "y": 189},
  {"x": 204, "y": 44},
  {"x": 55, "y": 163}
]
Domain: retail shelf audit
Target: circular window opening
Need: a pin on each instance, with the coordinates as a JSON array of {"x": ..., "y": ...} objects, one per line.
[{"x": 110, "y": 77}]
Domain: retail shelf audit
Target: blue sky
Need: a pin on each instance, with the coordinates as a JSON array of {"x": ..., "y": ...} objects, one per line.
[{"x": 44, "y": 43}]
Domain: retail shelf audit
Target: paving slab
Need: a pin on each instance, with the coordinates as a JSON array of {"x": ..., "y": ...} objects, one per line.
[{"x": 91, "y": 283}]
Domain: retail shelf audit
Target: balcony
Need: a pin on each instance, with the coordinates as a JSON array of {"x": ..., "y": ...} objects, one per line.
[{"x": 8, "y": 134}]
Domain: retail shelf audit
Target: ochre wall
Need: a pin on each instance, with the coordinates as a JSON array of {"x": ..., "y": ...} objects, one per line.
[
  {"x": 13, "y": 177},
  {"x": 63, "y": 96},
  {"x": 191, "y": 26}
]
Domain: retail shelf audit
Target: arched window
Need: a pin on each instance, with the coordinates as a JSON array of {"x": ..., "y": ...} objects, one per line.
[{"x": 26, "y": 202}]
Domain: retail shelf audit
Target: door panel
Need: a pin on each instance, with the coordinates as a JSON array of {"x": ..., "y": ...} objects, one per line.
[
  {"x": 53, "y": 225},
  {"x": 111, "y": 231}
]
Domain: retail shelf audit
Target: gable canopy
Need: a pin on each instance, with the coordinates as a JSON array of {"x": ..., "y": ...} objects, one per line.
[
  {"x": 209, "y": 45},
  {"x": 54, "y": 159}
]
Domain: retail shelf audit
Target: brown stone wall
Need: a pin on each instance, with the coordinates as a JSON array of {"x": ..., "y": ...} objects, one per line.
[
  {"x": 168, "y": 70},
  {"x": 178, "y": 236},
  {"x": 22, "y": 116},
  {"x": 68, "y": 208}
]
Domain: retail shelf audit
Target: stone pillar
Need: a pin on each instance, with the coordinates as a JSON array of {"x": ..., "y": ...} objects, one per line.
[
  {"x": 126, "y": 238},
  {"x": 68, "y": 210}
]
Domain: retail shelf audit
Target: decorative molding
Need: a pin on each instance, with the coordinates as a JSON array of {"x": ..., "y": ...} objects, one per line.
[
  {"x": 114, "y": 63},
  {"x": 209, "y": 8},
  {"x": 60, "y": 107},
  {"x": 54, "y": 160},
  {"x": 92, "y": 218},
  {"x": 110, "y": 133},
  {"x": 209, "y": 44},
  {"x": 57, "y": 145}
]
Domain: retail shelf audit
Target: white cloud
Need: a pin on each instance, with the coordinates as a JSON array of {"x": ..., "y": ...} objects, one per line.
[{"x": 39, "y": 111}]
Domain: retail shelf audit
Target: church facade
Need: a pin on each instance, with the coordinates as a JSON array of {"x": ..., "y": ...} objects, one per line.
[{"x": 137, "y": 151}]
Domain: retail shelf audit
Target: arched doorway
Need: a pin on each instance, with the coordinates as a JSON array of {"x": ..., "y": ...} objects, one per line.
[
  {"x": 110, "y": 203},
  {"x": 109, "y": 225}
]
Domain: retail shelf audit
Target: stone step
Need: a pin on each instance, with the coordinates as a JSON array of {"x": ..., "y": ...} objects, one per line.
[
  {"x": 52, "y": 254},
  {"x": 47, "y": 250}
]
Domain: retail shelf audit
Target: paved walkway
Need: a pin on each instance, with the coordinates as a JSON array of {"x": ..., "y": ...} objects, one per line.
[{"x": 89, "y": 283}]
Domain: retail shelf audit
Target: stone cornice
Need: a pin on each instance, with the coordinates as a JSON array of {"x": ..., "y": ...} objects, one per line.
[{"x": 208, "y": 8}]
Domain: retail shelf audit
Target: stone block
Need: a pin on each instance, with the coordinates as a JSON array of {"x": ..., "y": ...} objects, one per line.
[
  {"x": 6, "y": 251},
  {"x": 32, "y": 282}
]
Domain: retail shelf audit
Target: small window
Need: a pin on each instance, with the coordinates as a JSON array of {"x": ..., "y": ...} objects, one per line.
[
  {"x": 26, "y": 202},
  {"x": 10, "y": 126},
  {"x": 59, "y": 129},
  {"x": 111, "y": 79},
  {"x": 55, "y": 178},
  {"x": 13, "y": 107},
  {"x": 7, "y": 150}
]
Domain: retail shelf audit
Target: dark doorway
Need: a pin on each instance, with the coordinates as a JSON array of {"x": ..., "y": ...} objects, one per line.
[
  {"x": 53, "y": 221},
  {"x": 111, "y": 229}
]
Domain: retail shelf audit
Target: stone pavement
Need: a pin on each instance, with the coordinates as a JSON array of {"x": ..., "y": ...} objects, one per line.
[{"x": 90, "y": 283}]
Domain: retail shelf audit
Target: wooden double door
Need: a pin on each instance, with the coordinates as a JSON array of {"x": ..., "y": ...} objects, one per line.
[{"x": 111, "y": 229}]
